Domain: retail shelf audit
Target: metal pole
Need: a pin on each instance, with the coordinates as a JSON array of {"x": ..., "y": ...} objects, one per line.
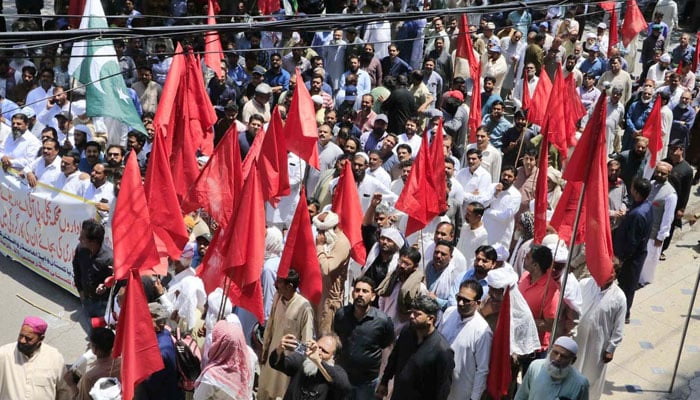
[
  {"x": 568, "y": 260},
  {"x": 224, "y": 295},
  {"x": 685, "y": 330}
]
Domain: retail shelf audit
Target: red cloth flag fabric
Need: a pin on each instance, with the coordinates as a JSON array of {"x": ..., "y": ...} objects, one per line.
[
  {"x": 75, "y": 10},
  {"x": 273, "y": 161},
  {"x": 418, "y": 199},
  {"x": 555, "y": 119},
  {"x": 499, "y": 377},
  {"x": 609, "y": 6},
  {"x": 213, "y": 52},
  {"x": 652, "y": 131},
  {"x": 565, "y": 213},
  {"x": 437, "y": 157},
  {"x": 166, "y": 217},
  {"x": 588, "y": 165},
  {"x": 541, "y": 192},
  {"x": 679, "y": 69},
  {"x": 201, "y": 111},
  {"x": 538, "y": 104},
  {"x": 135, "y": 340},
  {"x": 574, "y": 110},
  {"x": 465, "y": 49},
  {"x": 301, "y": 129},
  {"x": 132, "y": 233},
  {"x": 696, "y": 56},
  {"x": 346, "y": 203},
  {"x": 300, "y": 253},
  {"x": 221, "y": 179},
  {"x": 183, "y": 159},
  {"x": 268, "y": 7},
  {"x": 633, "y": 24}
]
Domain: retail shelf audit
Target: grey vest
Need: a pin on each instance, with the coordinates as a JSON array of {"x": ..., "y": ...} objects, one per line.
[{"x": 658, "y": 203}]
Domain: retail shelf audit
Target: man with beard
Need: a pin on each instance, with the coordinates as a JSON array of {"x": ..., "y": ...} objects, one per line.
[
  {"x": 100, "y": 190},
  {"x": 485, "y": 257},
  {"x": 554, "y": 377},
  {"x": 322, "y": 192},
  {"x": 422, "y": 361},
  {"x": 618, "y": 197},
  {"x": 383, "y": 256},
  {"x": 72, "y": 180},
  {"x": 365, "y": 116},
  {"x": 370, "y": 64},
  {"x": 516, "y": 140},
  {"x": 364, "y": 84},
  {"x": 225, "y": 122},
  {"x": 328, "y": 153},
  {"x": 657, "y": 72},
  {"x": 410, "y": 135},
  {"x": 633, "y": 161},
  {"x": 38, "y": 97},
  {"x": 21, "y": 147},
  {"x": 503, "y": 204},
  {"x": 470, "y": 338},
  {"x": 570, "y": 67},
  {"x": 683, "y": 119},
  {"x": 311, "y": 367},
  {"x": 663, "y": 200},
  {"x": 615, "y": 114},
  {"x": 375, "y": 164},
  {"x": 364, "y": 331},
  {"x": 366, "y": 185},
  {"x": 371, "y": 140},
  {"x": 393, "y": 65},
  {"x": 47, "y": 168},
  {"x": 617, "y": 78},
  {"x": 92, "y": 157},
  {"x": 30, "y": 368},
  {"x": 115, "y": 156},
  {"x": 637, "y": 115},
  {"x": 147, "y": 89},
  {"x": 441, "y": 275},
  {"x": 137, "y": 141}
]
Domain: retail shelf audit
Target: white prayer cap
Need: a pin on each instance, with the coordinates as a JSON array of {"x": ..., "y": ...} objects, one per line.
[
  {"x": 202, "y": 159},
  {"x": 554, "y": 175},
  {"x": 500, "y": 278},
  {"x": 560, "y": 252},
  {"x": 665, "y": 58},
  {"x": 82, "y": 128},
  {"x": 602, "y": 25},
  {"x": 329, "y": 222},
  {"x": 363, "y": 155},
  {"x": 317, "y": 98},
  {"x": 188, "y": 251},
  {"x": 394, "y": 235},
  {"x": 501, "y": 251},
  {"x": 28, "y": 111},
  {"x": 78, "y": 107},
  {"x": 567, "y": 343}
]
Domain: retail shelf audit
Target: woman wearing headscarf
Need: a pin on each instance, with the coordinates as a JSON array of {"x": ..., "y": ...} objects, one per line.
[{"x": 229, "y": 372}]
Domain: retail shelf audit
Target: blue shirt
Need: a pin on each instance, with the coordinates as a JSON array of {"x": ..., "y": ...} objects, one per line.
[
  {"x": 470, "y": 275},
  {"x": 277, "y": 79},
  {"x": 395, "y": 68},
  {"x": 8, "y": 109},
  {"x": 496, "y": 129},
  {"x": 594, "y": 68},
  {"x": 487, "y": 101}
]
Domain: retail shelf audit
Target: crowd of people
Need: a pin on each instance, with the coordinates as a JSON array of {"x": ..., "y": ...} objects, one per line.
[{"x": 417, "y": 320}]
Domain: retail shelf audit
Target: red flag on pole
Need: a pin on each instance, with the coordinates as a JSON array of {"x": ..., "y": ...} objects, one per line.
[
  {"x": 499, "y": 377},
  {"x": 132, "y": 232},
  {"x": 565, "y": 213},
  {"x": 555, "y": 119},
  {"x": 538, "y": 104},
  {"x": 165, "y": 119},
  {"x": 213, "y": 52},
  {"x": 346, "y": 203},
  {"x": 201, "y": 112},
  {"x": 573, "y": 109},
  {"x": 633, "y": 24},
  {"x": 300, "y": 129},
  {"x": 541, "y": 191},
  {"x": 465, "y": 49},
  {"x": 696, "y": 56},
  {"x": 609, "y": 6},
  {"x": 418, "y": 199},
  {"x": 273, "y": 161},
  {"x": 135, "y": 340},
  {"x": 652, "y": 131},
  {"x": 679, "y": 70},
  {"x": 75, "y": 10},
  {"x": 166, "y": 217},
  {"x": 300, "y": 253},
  {"x": 437, "y": 157},
  {"x": 588, "y": 165},
  {"x": 526, "y": 94},
  {"x": 268, "y": 7},
  {"x": 221, "y": 179}
]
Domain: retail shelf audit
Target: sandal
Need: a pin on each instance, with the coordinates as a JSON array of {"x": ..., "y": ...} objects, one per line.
[{"x": 662, "y": 257}]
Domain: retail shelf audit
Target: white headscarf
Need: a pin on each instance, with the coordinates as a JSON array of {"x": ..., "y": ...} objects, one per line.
[
  {"x": 273, "y": 243},
  {"x": 523, "y": 331},
  {"x": 327, "y": 226}
]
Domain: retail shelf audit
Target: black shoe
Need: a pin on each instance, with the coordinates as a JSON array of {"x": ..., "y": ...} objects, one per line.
[{"x": 627, "y": 320}]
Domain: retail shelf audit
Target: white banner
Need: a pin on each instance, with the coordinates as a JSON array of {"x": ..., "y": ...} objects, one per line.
[{"x": 40, "y": 227}]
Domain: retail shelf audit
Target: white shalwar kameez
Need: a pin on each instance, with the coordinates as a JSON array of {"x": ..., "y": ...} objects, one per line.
[{"x": 600, "y": 330}]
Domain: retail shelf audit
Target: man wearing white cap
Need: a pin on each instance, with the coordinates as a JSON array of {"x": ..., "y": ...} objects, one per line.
[
  {"x": 657, "y": 72},
  {"x": 495, "y": 65},
  {"x": 555, "y": 378},
  {"x": 259, "y": 104},
  {"x": 571, "y": 311},
  {"x": 602, "y": 37},
  {"x": 383, "y": 257},
  {"x": 600, "y": 330}
]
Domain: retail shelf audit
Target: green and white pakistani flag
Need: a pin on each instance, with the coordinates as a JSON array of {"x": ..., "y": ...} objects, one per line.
[{"x": 94, "y": 63}]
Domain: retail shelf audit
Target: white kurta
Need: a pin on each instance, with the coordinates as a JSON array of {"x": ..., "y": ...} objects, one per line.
[
  {"x": 470, "y": 240},
  {"x": 283, "y": 214},
  {"x": 518, "y": 91},
  {"x": 39, "y": 377},
  {"x": 479, "y": 181},
  {"x": 653, "y": 251},
  {"x": 600, "y": 330},
  {"x": 367, "y": 188},
  {"x": 334, "y": 61},
  {"x": 499, "y": 217},
  {"x": 491, "y": 159},
  {"x": 470, "y": 339}
]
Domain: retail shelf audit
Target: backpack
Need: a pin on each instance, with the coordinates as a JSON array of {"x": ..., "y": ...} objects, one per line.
[{"x": 188, "y": 360}]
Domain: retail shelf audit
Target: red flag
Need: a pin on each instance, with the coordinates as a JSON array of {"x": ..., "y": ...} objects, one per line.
[
  {"x": 437, "y": 157},
  {"x": 183, "y": 160},
  {"x": 588, "y": 164},
  {"x": 574, "y": 110},
  {"x": 201, "y": 111},
  {"x": 300, "y": 129},
  {"x": 164, "y": 120},
  {"x": 465, "y": 49},
  {"x": 268, "y": 7},
  {"x": 609, "y": 6},
  {"x": 633, "y": 24},
  {"x": 565, "y": 213},
  {"x": 652, "y": 131},
  {"x": 696, "y": 56},
  {"x": 499, "y": 377},
  {"x": 213, "y": 52},
  {"x": 346, "y": 203},
  {"x": 679, "y": 70},
  {"x": 300, "y": 253},
  {"x": 526, "y": 93},
  {"x": 219, "y": 182},
  {"x": 418, "y": 199},
  {"x": 541, "y": 192},
  {"x": 166, "y": 217},
  {"x": 75, "y": 10},
  {"x": 273, "y": 161},
  {"x": 538, "y": 104},
  {"x": 555, "y": 119},
  {"x": 134, "y": 245},
  {"x": 135, "y": 340}
]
